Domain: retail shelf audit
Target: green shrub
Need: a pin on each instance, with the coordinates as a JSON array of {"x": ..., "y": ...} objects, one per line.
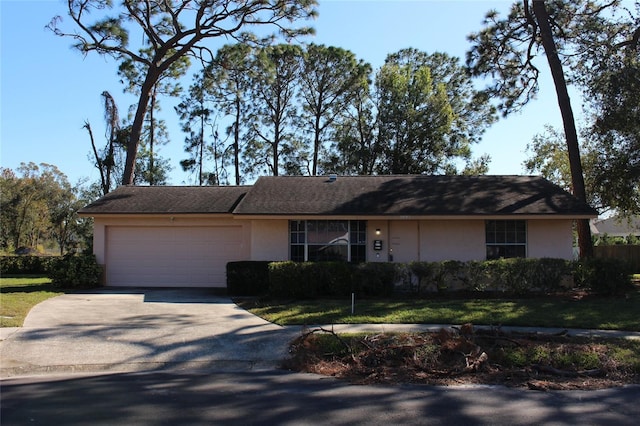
[
  {"x": 424, "y": 273},
  {"x": 516, "y": 276},
  {"x": 374, "y": 279},
  {"x": 439, "y": 277},
  {"x": 550, "y": 274},
  {"x": 25, "y": 265},
  {"x": 332, "y": 279},
  {"x": 286, "y": 279},
  {"x": 311, "y": 280},
  {"x": 76, "y": 271},
  {"x": 605, "y": 276},
  {"x": 525, "y": 276},
  {"x": 476, "y": 277},
  {"x": 248, "y": 278},
  {"x": 450, "y": 275}
]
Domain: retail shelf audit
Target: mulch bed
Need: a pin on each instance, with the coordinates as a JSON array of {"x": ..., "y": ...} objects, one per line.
[{"x": 459, "y": 356}]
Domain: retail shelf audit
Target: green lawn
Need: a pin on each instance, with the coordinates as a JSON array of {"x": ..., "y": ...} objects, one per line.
[
  {"x": 613, "y": 313},
  {"x": 19, "y": 295}
]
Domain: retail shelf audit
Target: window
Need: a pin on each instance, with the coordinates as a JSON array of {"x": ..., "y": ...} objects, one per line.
[
  {"x": 506, "y": 238},
  {"x": 327, "y": 240}
]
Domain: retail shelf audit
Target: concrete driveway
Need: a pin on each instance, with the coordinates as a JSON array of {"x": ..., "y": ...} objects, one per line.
[{"x": 141, "y": 330}]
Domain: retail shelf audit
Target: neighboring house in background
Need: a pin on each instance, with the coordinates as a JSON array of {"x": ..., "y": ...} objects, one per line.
[
  {"x": 185, "y": 236},
  {"x": 616, "y": 227}
]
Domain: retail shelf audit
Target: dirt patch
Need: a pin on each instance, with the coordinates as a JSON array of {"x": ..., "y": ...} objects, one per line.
[{"x": 467, "y": 356}]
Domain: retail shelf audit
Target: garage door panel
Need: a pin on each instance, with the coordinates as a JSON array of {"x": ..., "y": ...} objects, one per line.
[{"x": 171, "y": 256}]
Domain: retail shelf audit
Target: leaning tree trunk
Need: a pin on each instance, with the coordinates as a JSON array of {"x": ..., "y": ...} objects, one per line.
[
  {"x": 152, "y": 131},
  {"x": 577, "y": 178},
  {"x": 134, "y": 138},
  {"x": 201, "y": 147},
  {"x": 153, "y": 74}
]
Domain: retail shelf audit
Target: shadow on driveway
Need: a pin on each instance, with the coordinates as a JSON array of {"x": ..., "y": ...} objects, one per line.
[{"x": 142, "y": 330}]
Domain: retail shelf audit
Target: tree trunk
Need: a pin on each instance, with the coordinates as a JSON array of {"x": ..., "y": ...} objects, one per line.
[
  {"x": 236, "y": 140},
  {"x": 152, "y": 131},
  {"x": 316, "y": 146},
  {"x": 276, "y": 157},
  {"x": 573, "y": 149},
  {"x": 201, "y": 153},
  {"x": 99, "y": 164},
  {"x": 136, "y": 127}
]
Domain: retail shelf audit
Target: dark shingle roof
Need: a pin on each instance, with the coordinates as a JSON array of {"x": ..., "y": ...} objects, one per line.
[
  {"x": 168, "y": 199},
  {"x": 414, "y": 195}
]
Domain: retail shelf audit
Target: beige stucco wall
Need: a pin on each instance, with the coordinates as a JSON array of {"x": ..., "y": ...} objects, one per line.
[
  {"x": 452, "y": 240},
  {"x": 550, "y": 238},
  {"x": 270, "y": 239},
  {"x": 426, "y": 240}
]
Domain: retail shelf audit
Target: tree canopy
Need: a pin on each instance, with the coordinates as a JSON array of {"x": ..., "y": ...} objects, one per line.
[
  {"x": 330, "y": 78},
  {"x": 595, "y": 47},
  {"x": 312, "y": 109},
  {"x": 568, "y": 33},
  {"x": 172, "y": 30},
  {"x": 39, "y": 206},
  {"x": 428, "y": 113}
]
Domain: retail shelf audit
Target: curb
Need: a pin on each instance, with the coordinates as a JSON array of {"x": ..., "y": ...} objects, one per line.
[
  {"x": 419, "y": 328},
  {"x": 141, "y": 367}
]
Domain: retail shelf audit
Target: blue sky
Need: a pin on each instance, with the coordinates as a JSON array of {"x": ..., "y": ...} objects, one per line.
[{"x": 48, "y": 90}]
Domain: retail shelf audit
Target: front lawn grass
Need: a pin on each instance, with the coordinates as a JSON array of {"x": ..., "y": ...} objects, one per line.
[
  {"x": 19, "y": 295},
  {"x": 608, "y": 313}
]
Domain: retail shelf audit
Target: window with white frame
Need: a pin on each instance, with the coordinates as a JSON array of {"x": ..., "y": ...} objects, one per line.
[
  {"x": 506, "y": 238},
  {"x": 328, "y": 240}
]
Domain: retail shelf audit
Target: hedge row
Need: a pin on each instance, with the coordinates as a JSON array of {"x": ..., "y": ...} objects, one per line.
[
  {"x": 330, "y": 279},
  {"x": 514, "y": 276},
  {"x": 69, "y": 271},
  {"x": 27, "y": 265},
  {"x": 508, "y": 276}
]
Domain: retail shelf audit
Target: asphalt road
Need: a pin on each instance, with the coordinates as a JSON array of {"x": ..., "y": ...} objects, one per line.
[
  {"x": 174, "y": 357},
  {"x": 282, "y": 398}
]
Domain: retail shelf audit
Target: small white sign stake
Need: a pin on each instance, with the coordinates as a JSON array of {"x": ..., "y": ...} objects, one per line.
[{"x": 353, "y": 303}]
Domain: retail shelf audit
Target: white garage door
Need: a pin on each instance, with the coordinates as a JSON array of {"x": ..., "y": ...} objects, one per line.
[{"x": 171, "y": 256}]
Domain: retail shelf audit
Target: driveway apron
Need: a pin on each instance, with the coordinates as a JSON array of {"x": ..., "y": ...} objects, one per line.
[{"x": 141, "y": 330}]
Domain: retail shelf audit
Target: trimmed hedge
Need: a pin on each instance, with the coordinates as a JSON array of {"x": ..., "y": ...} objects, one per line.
[
  {"x": 27, "y": 265},
  {"x": 516, "y": 276},
  {"x": 374, "y": 279},
  {"x": 69, "y": 271},
  {"x": 513, "y": 276},
  {"x": 330, "y": 279},
  {"x": 76, "y": 271},
  {"x": 310, "y": 279},
  {"x": 606, "y": 276},
  {"x": 248, "y": 278}
]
